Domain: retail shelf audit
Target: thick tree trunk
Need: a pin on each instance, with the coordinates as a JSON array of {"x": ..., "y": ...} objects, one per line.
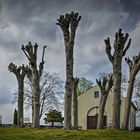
[
  {"x": 69, "y": 85},
  {"x": 20, "y": 102},
  {"x": 74, "y": 118},
  {"x": 74, "y": 111},
  {"x": 128, "y": 102},
  {"x": 36, "y": 98},
  {"x": 67, "y": 108},
  {"x": 100, "y": 123},
  {"x": 116, "y": 92}
]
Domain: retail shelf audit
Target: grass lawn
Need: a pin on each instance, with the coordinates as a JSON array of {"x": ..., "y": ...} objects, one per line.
[{"x": 58, "y": 134}]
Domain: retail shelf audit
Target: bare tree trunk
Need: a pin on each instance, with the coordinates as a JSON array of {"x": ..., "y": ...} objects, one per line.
[
  {"x": 68, "y": 87},
  {"x": 105, "y": 85},
  {"x": 128, "y": 103},
  {"x": 36, "y": 95},
  {"x": 100, "y": 123},
  {"x": 134, "y": 68},
  {"x": 20, "y": 73},
  {"x": 116, "y": 91},
  {"x": 116, "y": 59},
  {"x": 74, "y": 118},
  {"x": 67, "y": 108},
  {"x": 34, "y": 76},
  {"x": 20, "y": 117},
  {"x": 65, "y": 22}
]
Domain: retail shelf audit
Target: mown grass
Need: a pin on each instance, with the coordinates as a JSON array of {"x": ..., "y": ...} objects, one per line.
[{"x": 58, "y": 134}]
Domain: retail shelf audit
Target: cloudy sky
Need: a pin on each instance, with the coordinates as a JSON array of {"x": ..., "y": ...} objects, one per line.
[{"x": 22, "y": 21}]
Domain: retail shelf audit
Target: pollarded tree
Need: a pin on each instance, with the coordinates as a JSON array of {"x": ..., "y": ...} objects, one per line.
[
  {"x": 134, "y": 68},
  {"x": 20, "y": 73},
  {"x": 120, "y": 49},
  {"x": 31, "y": 53},
  {"x": 105, "y": 85},
  {"x": 68, "y": 23},
  {"x": 74, "y": 111}
]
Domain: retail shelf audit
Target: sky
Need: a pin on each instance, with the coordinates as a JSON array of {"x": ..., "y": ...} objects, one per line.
[{"x": 22, "y": 21}]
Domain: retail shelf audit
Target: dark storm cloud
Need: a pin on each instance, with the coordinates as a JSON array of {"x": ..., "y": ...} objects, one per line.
[
  {"x": 34, "y": 20},
  {"x": 133, "y": 8},
  {"x": 37, "y": 18}
]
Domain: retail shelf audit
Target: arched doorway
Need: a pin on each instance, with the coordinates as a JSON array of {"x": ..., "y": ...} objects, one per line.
[{"x": 92, "y": 118}]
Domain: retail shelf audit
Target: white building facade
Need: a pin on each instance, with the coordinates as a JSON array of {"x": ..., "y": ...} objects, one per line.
[{"x": 88, "y": 104}]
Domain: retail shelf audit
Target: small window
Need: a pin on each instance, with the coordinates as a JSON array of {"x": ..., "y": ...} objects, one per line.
[{"x": 96, "y": 94}]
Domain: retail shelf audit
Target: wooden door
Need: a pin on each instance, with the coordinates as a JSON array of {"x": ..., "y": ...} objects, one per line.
[{"x": 92, "y": 121}]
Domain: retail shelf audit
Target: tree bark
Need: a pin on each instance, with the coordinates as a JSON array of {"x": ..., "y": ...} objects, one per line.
[
  {"x": 36, "y": 96},
  {"x": 68, "y": 87},
  {"x": 116, "y": 90},
  {"x": 116, "y": 59},
  {"x": 74, "y": 118},
  {"x": 20, "y": 115}
]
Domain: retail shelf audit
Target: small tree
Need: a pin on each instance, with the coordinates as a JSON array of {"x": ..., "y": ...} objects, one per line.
[
  {"x": 53, "y": 116},
  {"x": 15, "y": 118}
]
